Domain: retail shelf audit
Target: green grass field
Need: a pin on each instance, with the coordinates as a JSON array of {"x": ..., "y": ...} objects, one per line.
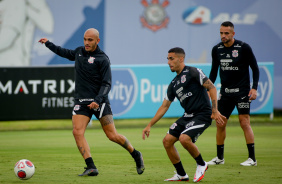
[{"x": 49, "y": 144}]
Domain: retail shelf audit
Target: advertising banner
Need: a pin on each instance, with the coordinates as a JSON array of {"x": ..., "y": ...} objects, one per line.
[
  {"x": 137, "y": 91},
  {"x": 141, "y": 90},
  {"x": 36, "y": 93}
]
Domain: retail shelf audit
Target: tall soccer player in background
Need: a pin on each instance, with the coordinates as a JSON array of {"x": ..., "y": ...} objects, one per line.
[
  {"x": 92, "y": 86},
  {"x": 234, "y": 58}
]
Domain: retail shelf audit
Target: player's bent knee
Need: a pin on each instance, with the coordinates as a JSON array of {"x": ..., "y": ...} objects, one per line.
[{"x": 185, "y": 139}]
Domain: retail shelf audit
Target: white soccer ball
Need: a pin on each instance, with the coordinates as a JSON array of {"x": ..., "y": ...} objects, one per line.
[{"x": 24, "y": 169}]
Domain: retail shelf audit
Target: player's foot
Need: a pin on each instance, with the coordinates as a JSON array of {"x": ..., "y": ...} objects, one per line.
[
  {"x": 177, "y": 177},
  {"x": 89, "y": 172},
  {"x": 200, "y": 172},
  {"x": 139, "y": 163},
  {"x": 216, "y": 161},
  {"x": 249, "y": 162}
]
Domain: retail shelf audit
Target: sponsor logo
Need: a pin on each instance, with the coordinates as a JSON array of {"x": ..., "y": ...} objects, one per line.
[
  {"x": 91, "y": 60},
  {"x": 222, "y": 54},
  {"x": 237, "y": 45},
  {"x": 235, "y": 90},
  {"x": 124, "y": 90},
  {"x": 188, "y": 125},
  {"x": 197, "y": 15},
  {"x": 243, "y": 105},
  {"x": 86, "y": 100},
  {"x": 183, "y": 97},
  {"x": 155, "y": 17},
  {"x": 188, "y": 115},
  {"x": 200, "y": 15}
]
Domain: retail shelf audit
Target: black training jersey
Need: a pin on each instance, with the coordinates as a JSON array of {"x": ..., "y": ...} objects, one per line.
[
  {"x": 92, "y": 73},
  {"x": 188, "y": 88},
  {"x": 234, "y": 65}
]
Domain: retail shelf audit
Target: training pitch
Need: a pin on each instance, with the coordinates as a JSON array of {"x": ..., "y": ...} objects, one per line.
[{"x": 53, "y": 151}]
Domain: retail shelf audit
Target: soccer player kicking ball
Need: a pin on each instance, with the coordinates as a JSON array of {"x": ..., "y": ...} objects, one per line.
[
  {"x": 92, "y": 86},
  {"x": 190, "y": 88}
]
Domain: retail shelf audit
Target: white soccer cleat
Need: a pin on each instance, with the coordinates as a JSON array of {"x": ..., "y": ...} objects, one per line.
[
  {"x": 200, "y": 172},
  {"x": 216, "y": 161},
  {"x": 249, "y": 162},
  {"x": 177, "y": 177}
]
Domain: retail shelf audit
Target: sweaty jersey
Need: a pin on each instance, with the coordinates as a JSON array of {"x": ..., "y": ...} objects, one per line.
[
  {"x": 92, "y": 73},
  {"x": 188, "y": 88},
  {"x": 234, "y": 65}
]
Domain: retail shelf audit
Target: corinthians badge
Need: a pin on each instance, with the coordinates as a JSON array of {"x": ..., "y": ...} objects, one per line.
[{"x": 154, "y": 17}]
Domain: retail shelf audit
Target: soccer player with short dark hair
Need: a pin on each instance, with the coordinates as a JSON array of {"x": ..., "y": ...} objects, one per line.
[
  {"x": 233, "y": 58},
  {"x": 92, "y": 86},
  {"x": 190, "y": 88}
]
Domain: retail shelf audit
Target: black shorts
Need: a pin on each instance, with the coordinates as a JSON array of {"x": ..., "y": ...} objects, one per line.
[
  {"x": 191, "y": 126},
  {"x": 226, "y": 104},
  {"x": 104, "y": 109}
]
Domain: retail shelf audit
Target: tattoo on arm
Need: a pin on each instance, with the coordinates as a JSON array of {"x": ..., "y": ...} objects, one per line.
[
  {"x": 208, "y": 85},
  {"x": 214, "y": 106}
]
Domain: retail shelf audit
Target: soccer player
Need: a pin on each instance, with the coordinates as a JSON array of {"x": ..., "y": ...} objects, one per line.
[
  {"x": 92, "y": 85},
  {"x": 234, "y": 58},
  {"x": 190, "y": 88}
]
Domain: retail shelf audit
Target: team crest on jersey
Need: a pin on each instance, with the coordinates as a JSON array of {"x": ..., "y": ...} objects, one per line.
[
  {"x": 173, "y": 126},
  {"x": 235, "y": 53},
  {"x": 91, "y": 60},
  {"x": 183, "y": 79},
  {"x": 155, "y": 17},
  {"x": 76, "y": 107}
]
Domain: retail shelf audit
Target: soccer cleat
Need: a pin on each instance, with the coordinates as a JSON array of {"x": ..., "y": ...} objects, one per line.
[
  {"x": 200, "y": 172},
  {"x": 89, "y": 172},
  {"x": 139, "y": 163},
  {"x": 177, "y": 177},
  {"x": 249, "y": 162},
  {"x": 216, "y": 161}
]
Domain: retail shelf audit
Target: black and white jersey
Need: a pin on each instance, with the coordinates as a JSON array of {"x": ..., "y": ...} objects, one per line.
[
  {"x": 234, "y": 63},
  {"x": 188, "y": 88},
  {"x": 92, "y": 73}
]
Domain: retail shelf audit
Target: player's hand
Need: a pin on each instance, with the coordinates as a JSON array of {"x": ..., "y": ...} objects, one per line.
[
  {"x": 93, "y": 105},
  {"x": 146, "y": 132},
  {"x": 219, "y": 118},
  {"x": 43, "y": 40},
  {"x": 252, "y": 94}
]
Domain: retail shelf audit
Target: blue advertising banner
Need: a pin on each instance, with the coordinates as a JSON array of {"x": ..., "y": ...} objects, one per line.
[{"x": 138, "y": 91}]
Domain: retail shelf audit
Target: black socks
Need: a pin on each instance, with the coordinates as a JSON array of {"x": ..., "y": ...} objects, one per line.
[
  {"x": 251, "y": 149},
  {"x": 200, "y": 160},
  {"x": 89, "y": 162},
  {"x": 220, "y": 151},
  {"x": 179, "y": 169}
]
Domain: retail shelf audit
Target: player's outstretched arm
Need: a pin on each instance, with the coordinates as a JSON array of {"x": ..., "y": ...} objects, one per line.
[
  {"x": 43, "y": 40},
  {"x": 160, "y": 113}
]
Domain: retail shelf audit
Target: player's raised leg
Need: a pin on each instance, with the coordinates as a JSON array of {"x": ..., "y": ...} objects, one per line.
[{"x": 108, "y": 126}]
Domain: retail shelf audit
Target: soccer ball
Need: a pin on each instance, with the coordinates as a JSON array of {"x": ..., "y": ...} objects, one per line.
[{"x": 24, "y": 169}]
